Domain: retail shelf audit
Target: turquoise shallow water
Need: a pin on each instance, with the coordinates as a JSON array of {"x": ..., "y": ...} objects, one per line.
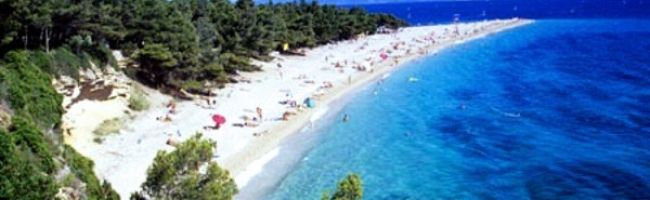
[{"x": 553, "y": 110}]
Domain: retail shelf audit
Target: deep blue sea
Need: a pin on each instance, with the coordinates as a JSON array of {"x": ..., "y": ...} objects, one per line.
[
  {"x": 420, "y": 13},
  {"x": 559, "y": 109}
]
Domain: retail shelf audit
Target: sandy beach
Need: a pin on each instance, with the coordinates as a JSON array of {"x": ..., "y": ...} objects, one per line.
[{"x": 261, "y": 110}]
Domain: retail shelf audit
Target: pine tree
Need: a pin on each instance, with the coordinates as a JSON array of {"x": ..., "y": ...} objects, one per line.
[
  {"x": 350, "y": 188},
  {"x": 177, "y": 174}
]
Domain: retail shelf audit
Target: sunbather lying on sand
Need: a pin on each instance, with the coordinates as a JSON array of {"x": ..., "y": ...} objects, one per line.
[
  {"x": 327, "y": 84},
  {"x": 260, "y": 134},
  {"x": 246, "y": 124},
  {"x": 171, "y": 142},
  {"x": 166, "y": 118},
  {"x": 215, "y": 127},
  {"x": 285, "y": 115}
]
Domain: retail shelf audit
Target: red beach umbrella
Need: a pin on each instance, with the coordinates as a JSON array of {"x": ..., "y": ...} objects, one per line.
[
  {"x": 383, "y": 56},
  {"x": 218, "y": 119}
]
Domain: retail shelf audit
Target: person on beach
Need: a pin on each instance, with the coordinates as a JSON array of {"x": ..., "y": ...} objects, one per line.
[
  {"x": 250, "y": 124},
  {"x": 285, "y": 116},
  {"x": 259, "y": 113},
  {"x": 171, "y": 142},
  {"x": 215, "y": 127},
  {"x": 260, "y": 134},
  {"x": 166, "y": 118},
  {"x": 172, "y": 107}
]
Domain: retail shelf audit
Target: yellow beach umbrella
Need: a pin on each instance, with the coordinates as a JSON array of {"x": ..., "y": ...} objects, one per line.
[{"x": 285, "y": 47}]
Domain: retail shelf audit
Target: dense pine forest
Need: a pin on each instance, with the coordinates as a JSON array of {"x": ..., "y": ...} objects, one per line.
[
  {"x": 172, "y": 45},
  {"x": 176, "y": 44}
]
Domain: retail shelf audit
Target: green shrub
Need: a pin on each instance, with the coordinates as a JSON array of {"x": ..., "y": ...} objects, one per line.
[
  {"x": 178, "y": 174},
  {"x": 98, "y": 140},
  {"x": 350, "y": 188},
  {"x": 109, "y": 126},
  {"x": 20, "y": 178},
  {"x": 101, "y": 55},
  {"x": 214, "y": 71},
  {"x": 137, "y": 99},
  {"x": 27, "y": 135},
  {"x": 65, "y": 62},
  {"x": 29, "y": 90},
  {"x": 87, "y": 50},
  {"x": 69, "y": 180},
  {"x": 43, "y": 61},
  {"x": 83, "y": 169},
  {"x": 192, "y": 85},
  {"x": 233, "y": 63}
]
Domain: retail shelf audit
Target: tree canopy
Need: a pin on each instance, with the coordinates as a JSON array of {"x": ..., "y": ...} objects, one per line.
[
  {"x": 187, "y": 173},
  {"x": 179, "y": 44},
  {"x": 350, "y": 188}
]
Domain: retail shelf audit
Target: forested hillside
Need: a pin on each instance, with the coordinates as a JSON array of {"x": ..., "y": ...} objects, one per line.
[
  {"x": 177, "y": 44},
  {"x": 173, "y": 45}
]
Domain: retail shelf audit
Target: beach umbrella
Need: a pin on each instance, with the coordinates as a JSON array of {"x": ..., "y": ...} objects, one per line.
[
  {"x": 285, "y": 47},
  {"x": 383, "y": 56},
  {"x": 218, "y": 119},
  {"x": 310, "y": 102}
]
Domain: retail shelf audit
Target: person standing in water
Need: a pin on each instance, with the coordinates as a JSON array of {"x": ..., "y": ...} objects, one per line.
[{"x": 346, "y": 118}]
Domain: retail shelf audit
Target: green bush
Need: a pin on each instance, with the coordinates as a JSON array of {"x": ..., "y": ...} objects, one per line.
[
  {"x": 177, "y": 174},
  {"x": 83, "y": 169},
  {"x": 29, "y": 90},
  {"x": 109, "y": 126},
  {"x": 192, "y": 85},
  {"x": 67, "y": 63},
  {"x": 27, "y": 135},
  {"x": 27, "y": 161},
  {"x": 64, "y": 61},
  {"x": 350, "y": 188},
  {"x": 19, "y": 177},
  {"x": 43, "y": 61},
  {"x": 138, "y": 100},
  {"x": 233, "y": 63},
  {"x": 101, "y": 55},
  {"x": 87, "y": 50}
]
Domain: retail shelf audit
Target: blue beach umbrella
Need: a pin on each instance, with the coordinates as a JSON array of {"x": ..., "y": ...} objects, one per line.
[{"x": 310, "y": 102}]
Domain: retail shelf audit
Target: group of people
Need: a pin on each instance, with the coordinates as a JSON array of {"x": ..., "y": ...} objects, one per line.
[
  {"x": 327, "y": 85},
  {"x": 252, "y": 122},
  {"x": 171, "y": 110}
]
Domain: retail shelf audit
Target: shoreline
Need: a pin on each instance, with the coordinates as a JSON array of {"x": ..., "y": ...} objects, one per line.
[
  {"x": 327, "y": 73},
  {"x": 256, "y": 154},
  {"x": 292, "y": 150}
]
